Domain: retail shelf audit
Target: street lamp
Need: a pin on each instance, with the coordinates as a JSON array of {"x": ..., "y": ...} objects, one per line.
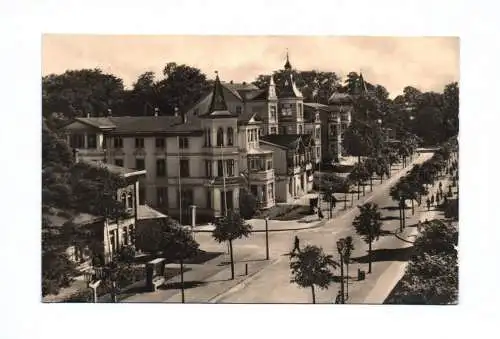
[{"x": 340, "y": 248}]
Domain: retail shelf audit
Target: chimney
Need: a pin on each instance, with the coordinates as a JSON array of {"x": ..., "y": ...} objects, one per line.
[
  {"x": 244, "y": 82},
  {"x": 231, "y": 82},
  {"x": 176, "y": 112},
  {"x": 156, "y": 111},
  {"x": 109, "y": 112},
  {"x": 88, "y": 115}
]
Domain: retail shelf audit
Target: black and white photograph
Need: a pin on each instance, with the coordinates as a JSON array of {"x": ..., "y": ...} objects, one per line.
[{"x": 250, "y": 169}]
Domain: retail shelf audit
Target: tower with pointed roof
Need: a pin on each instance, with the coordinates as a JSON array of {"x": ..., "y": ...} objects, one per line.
[{"x": 291, "y": 103}]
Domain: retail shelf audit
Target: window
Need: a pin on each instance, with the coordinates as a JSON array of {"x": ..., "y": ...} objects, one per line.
[
  {"x": 273, "y": 113},
  {"x": 220, "y": 137},
  {"x": 160, "y": 143},
  {"x": 187, "y": 198},
  {"x": 118, "y": 142},
  {"x": 91, "y": 140},
  {"x": 230, "y": 136},
  {"x": 286, "y": 109},
  {"x": 77, "y": 141},
  {"x": 208, "y": 137},
  {"x": 195, "y": 112},
  {"x": 274, "y": 130},
  {"x": 300, "y": 129},
  {"x": 283, "y": 130},
  {"x": 104, "y": 143},
  {"x": 220, "y": 168},
  {"x": 209, "y": 198},
  {"x": 253, "y": 189},
  {"x": 160, "y": 168},
  {"x": 183, "y": 142},
  {"x": 161, "y": 196},
  {"x": 184, "y": 168},
  {"x": 119, "y": 162},
  {"x": 230, "y": 168},
  {"x": 270, "y": 191},
  {"x": 208, "y": 168},
  {"x": 125, "y": 235},
  {"x": 139, "y": 142},
  {"x": 299, "y": 110},
  {"x": 123, "y": 199},
  {"x": 139, "y": 164},
  {"x": 238, "y": 109},
  {"x": 269, "y": 165},
  {"x": 130, "y": 200}
]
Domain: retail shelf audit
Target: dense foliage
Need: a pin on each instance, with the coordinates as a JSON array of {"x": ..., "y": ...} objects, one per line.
[
  {"x": 312, "y": 267},
  {"x": 368, "y": 225}
]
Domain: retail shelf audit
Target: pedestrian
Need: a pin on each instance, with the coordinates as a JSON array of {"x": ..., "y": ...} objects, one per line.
[
  {"x": 437, "y": 199},
  {"x": 428, "y": 204},
  {"x": 320, "y": 213},
  {"x": 440, "y": 185},
  {"x": 334, "y": 201},
  {"x": 419, "y": 226},
  {"x": 432, "y": 199},
  {"x": 296, "y": 245}
]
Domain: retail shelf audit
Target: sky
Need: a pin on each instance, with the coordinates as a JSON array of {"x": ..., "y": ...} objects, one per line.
[{"x": 427, "y": 63}]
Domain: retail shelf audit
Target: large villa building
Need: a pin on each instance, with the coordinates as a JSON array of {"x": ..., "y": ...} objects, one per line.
[{"x": 267, "y": 141}]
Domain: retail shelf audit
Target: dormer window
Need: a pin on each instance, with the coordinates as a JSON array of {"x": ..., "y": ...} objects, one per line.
[{"x": 91, "y": 140}]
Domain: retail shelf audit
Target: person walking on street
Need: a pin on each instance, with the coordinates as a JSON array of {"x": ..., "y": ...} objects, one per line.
[
  {"x": 428, "y": 204},
  {"x": 320, "y": 214},
  {"x": 296, "y": 245},
  {"x": 432, "y": 200}
]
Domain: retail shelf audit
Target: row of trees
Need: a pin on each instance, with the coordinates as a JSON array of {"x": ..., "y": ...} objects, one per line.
[{"x": 415, "y": 184}]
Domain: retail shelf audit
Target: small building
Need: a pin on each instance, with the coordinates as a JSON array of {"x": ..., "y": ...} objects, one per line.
[{"x": 293, "y": 164}]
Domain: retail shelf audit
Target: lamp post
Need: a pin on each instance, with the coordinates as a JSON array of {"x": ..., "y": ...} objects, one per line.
[
  {"x": 267, "y": 239},
  {"x": 340, "y": 249}
]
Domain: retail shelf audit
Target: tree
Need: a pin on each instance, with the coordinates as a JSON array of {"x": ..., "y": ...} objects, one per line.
[
  {"x": 312, "y": 267},
  {"x": 368, "y": 225},
  {"x": 371, "y": 166},
  {"x": 248, "y": 204},
  {"x": 437, "y": 238},
  {"x": 382, "y": 167},
  {"x": 182, "y": 86},
  {"x": 230, "y": 228},
  {"x": 348, "y": 248},
  {"x": 76, "y": 93},
  {"x": 400, "y": 193}
]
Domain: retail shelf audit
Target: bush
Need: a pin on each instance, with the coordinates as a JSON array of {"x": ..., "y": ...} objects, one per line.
[{"x": 248, "y": 204}]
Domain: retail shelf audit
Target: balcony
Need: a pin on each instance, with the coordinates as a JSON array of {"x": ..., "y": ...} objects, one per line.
[
  {"x": 220, "y": 181},
  {"x": 91, "y": 152},
  {"x": 265, "y": 175}
]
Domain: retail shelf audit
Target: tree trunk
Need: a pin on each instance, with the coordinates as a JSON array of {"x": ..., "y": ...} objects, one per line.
[
  {"x": 381, "y": 178},
  {"x": 364, "y": 192},
  {"x": 182, "y": 280},
  {"x": 232, "y": 259},
  {"x": 345, "y": 201},
  {"x": 404, "y": 213},
  {"x": 400, "y": 218},
  {"x": 412, "y": 207},
  {"x": 359, "y": 159},
  {"x": 370, "y": 256},
  {"x": 359, "y": 191},
  {"x": 347, "y": 280},
  {"x": 313, "y": 294},
  {"x": 371, "y": 183},
  {"x": 352, "y": 199}
]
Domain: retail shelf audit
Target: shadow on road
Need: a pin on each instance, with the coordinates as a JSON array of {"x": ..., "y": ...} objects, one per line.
[
  {"x": 177, "y": 285},
  {"x": 395, "y": 254},
  {"x": 389, "y": 218}
]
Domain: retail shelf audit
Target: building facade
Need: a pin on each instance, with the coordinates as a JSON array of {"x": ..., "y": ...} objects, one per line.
[{"x": 206, "y": 156}]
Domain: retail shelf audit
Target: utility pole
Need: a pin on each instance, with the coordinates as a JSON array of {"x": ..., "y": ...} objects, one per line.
[{"x": 267, "y": 239}]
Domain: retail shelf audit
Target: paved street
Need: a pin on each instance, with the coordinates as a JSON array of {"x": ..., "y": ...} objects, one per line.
[{"x": 269, "y": 281}]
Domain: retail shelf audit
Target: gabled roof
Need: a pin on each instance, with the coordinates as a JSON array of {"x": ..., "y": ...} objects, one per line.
[
  {"x": 249, "y": 117},
  {"x": 286, "y": 141},
  {"x": 339, "y": 98}
]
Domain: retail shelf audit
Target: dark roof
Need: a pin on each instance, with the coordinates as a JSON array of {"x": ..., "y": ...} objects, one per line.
[
  {"x": 123, "y": 171},
  {"x": 98, "y": 122},
  {"x": 289, "y": 90},
  {"x": 287, "y": 141},
  {"x": 244, "y": 117},
  {"x": 144, "y": 124}
]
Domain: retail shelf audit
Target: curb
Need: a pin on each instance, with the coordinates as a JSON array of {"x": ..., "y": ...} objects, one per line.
[
  {"x": 241, "y": 284},
  {"x": 318, "y": 224}
]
